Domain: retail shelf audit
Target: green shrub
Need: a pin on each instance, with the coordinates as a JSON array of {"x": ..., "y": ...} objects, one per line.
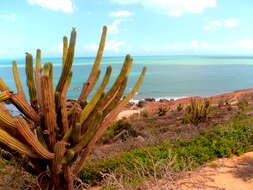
[
  {"x": 121, "y": 129},
  {"x": 222, "y": 141},
  {"x": 197, "y": 111}
]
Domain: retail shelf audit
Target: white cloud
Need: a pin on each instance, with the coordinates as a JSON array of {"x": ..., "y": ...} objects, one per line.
[
  {"x": 66, "y": 6},
  {"x": 228, "y": 23},
  {"x": 110, "y": 46},
  {"x": 248, "y": 44},
  {"x": 8, "y": 17},
  {"x": 114, "y": 27},
  {"x": 232, "y": 22},
  {"x": 175, "y": 13},
  {"x": 173, "y": 7},
  {"x": 121, "y": 14}
]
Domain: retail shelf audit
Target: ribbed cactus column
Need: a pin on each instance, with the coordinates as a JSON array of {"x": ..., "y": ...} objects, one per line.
[{"x": 53, "y": 134}]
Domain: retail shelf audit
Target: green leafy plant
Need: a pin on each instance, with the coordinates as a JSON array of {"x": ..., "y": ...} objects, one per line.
[
  {"x": 197, "y": 111},
  {"x": 53, "y": 134},
  {"x": 234, "y": 137}
]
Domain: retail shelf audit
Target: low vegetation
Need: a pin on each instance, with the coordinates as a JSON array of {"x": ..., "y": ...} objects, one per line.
[{"x": 234, "y": 137}]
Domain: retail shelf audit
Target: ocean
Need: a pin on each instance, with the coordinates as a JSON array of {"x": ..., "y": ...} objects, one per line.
[{"x": 167, "y": 76}]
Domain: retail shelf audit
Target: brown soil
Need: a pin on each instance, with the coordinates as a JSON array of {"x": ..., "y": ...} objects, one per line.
[{"x": 234, "y": 173}]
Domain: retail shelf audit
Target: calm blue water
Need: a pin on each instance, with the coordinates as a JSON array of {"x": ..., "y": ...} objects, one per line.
[{"x": 167, "y": 76}]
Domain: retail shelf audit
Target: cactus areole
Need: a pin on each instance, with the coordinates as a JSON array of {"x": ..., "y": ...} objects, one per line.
[{"x": 55, "y": 135}]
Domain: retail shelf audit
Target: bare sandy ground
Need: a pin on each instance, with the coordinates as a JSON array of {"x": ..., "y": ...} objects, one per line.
[
  {"x": 234, "y": 173},
  {"x": 128, "y": 113}
]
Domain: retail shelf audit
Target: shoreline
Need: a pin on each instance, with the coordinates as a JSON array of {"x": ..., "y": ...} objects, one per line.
[{"x": 152, "y": 104}]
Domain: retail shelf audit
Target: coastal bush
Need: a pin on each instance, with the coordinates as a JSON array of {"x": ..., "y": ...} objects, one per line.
[
  {"x": 221, "y": 103},
  {"x": 180, "y": 107},
  {"x": 197, "y": 111},
  {"x": 242, "y": 103},
  {"x": 162, "y": 111},
  {"x": 228, "y": 105},
  {"x": 54, "y": 136},
  {"x": 144, "y": 113},
  {"x": 121, "y": 129},
  {"x": 235, "y": 137}
]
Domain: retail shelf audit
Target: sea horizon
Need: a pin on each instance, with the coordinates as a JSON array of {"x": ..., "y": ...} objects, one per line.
[{"x": 168, "y": 76}]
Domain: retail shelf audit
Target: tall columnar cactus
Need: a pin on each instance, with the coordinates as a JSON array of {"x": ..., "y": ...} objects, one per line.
[{"x": 53, "y": 134}]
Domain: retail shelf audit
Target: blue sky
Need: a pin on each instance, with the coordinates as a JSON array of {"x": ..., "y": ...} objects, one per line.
[{"x": 139, "y": 27}]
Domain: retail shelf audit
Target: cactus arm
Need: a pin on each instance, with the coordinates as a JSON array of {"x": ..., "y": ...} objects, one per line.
[
  {"x": 68, "y": 157},
  {"x": 51, "y": 73},
  {"x": 30, "y": 80},
  {"x": 17, "y": 79},
  {"x": 67, "y": 135},
  {"x": 3, "y": 86},
  {"x": 4, "y": 109},
  {"x": 7, "y": 119},
  {"x": 113, "y": 102},
  {"x": 4, "y": 96},
  {"x": 49, "y": 109},
  {"x": 117, "y": 84},
  {"x": 90, "y": 106},
  {"x": 76, "y": 133},
  {"x": 26, "y": 132},
  {"x": 105, "y": 123},
  {"x": 94, "y": 73},
  {"x": 123, "y": 74},
  {"x": 24, "y": 107},
  {"x": 38, "y": 60},
  {"x": 15, "y": 144},
  {"x": 105, "y": 107},
  {"x": 40, "y": 136},
  {"x": 88, "y": 85},
  {"x": 59, "y": 149},
  {"x": 62, "y": 116},
  {"x": 65, "y": 49},
  {"x": 68, "y": 62},
  {"x": 37, "y": 78},
  {"x": 89, "y": 133}
]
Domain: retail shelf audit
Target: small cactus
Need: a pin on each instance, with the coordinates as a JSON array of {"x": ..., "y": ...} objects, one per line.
[{"x": 197, "y": 111}]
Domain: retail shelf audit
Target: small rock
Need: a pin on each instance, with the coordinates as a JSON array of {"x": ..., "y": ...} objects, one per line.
[
  {"x": 140, "y": 139},
  {"x": 141, "y": 103},
  {"x": 248, "y": 113},
  {"x": 163, "y": 100},
  {"x": 149, "y": 99}
]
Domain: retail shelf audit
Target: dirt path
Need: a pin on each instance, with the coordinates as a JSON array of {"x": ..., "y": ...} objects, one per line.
[{"x": 234, "y": 173}]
